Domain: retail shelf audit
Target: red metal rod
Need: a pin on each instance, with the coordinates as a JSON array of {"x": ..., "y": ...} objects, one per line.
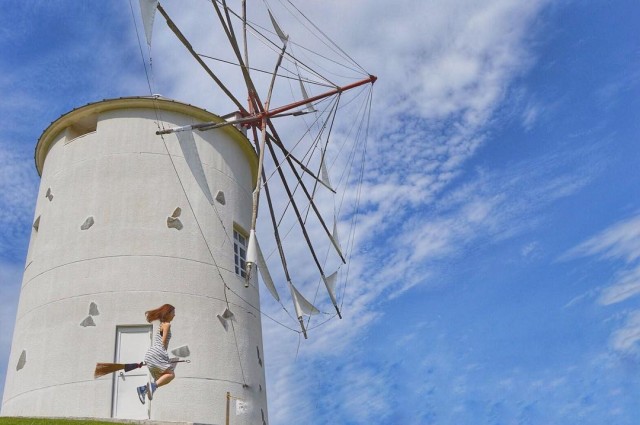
[{"x": 268, "y": 114}]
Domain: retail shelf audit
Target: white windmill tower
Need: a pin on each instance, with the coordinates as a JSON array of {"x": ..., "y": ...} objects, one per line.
[
  {"x": 145, "y": 201},
  {"x": 126, "y": 221}
]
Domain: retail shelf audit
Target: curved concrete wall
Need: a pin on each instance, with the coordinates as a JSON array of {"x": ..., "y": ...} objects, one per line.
[{"x": 101, "y": 236}]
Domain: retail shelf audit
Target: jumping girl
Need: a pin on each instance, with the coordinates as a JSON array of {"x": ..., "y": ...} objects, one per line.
[{"x": 157, "y": 357}]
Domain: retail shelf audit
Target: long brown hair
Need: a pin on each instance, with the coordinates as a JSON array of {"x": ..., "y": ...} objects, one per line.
[{"x": 159, "y": 313}]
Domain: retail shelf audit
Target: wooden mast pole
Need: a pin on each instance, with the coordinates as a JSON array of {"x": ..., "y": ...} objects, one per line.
[
  {"x": 256, "y": 191},
  {"x": 186, "y": 44}
]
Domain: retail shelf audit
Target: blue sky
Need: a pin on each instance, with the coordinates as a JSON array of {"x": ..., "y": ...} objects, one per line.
[{"x": 496, "y": 276}]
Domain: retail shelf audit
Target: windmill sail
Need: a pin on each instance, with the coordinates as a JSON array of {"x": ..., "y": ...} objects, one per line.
[
  {"x": 309, "y": 105},
  {"x": 148, "y": 13},
  {"x": 279, "y": 31},
  {"x": 283, "y": 166},
  {"x": 330, "y": 284},
  {"x": 302, "y": 306},
  {"x": 324, "y": 174},
  {"x": 264, "y": 272},
  {"x": 334, "y": 237}
]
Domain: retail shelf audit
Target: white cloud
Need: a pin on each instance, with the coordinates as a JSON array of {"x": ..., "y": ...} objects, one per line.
[
  {"x": 530, "y": 249},
  {"x": 619, "y": 243},
  {"x": 18, "y": 188},
  {"x": 627, "y": 285},
  {"x": 367, "y": 397},
  {"x": 626, "y": 340}
]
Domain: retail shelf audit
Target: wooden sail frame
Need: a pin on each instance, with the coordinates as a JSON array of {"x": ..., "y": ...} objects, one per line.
[{"x": 258, "y": 117}]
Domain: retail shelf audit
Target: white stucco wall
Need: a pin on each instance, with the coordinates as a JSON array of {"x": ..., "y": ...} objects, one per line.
[{"x": 129, "y": 261}]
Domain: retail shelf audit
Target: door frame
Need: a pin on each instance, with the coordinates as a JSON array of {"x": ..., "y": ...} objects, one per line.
[{"x": 119, "y": 330}]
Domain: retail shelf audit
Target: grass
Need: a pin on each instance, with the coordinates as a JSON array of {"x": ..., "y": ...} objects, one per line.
[{"x": 47, "y": 421}]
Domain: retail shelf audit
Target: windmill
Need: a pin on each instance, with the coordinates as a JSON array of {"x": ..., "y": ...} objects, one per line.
[
  {"x": 146, "y": 200},
  {"x": 260, "y": 119}
]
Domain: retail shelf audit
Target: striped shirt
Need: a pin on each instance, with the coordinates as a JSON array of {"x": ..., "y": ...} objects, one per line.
[{"x": 157, "y": 357}]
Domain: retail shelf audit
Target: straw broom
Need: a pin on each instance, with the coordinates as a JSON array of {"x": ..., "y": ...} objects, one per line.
[{"x": 107, "y": 368}]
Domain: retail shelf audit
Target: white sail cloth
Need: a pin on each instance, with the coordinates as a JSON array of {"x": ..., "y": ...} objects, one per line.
[
  {"x": 148, "y": 13},
  {"x": 254, "y": 256},
  {"x": 301, "y": 304}
]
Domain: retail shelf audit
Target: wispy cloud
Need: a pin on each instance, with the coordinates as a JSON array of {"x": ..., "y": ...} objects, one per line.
[
  {"x": 620, "y": 241},
  {"x": 618, "y": 244},
  {"x": 626, "y": 340},
  {"x": 18, "y": 188},
  {"x": 530, "y": 116}
]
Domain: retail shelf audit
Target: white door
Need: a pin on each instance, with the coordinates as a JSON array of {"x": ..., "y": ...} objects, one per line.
[{"x": 132, "y": 342}]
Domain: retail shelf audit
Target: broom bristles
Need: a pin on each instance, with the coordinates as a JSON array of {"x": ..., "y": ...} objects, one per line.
[{"x": 106, "y": 368}]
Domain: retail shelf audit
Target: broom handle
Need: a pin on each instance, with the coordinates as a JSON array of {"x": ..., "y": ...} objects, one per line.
[{"x": 173, "y": 361}]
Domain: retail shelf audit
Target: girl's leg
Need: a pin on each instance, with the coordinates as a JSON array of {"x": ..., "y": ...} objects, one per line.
[{"x": 165, "y": 378}]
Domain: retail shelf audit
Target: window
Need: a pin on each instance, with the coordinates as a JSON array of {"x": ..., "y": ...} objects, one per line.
[
  {"x": 82, "y": 127},
  {"x": 240, "y": 253}
]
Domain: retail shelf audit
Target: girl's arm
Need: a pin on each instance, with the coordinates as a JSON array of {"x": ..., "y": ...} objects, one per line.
[{"x": 165, "y": 333}]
